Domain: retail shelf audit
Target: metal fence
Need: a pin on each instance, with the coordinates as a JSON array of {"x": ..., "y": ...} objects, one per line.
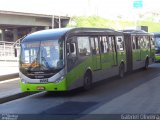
[{"x": 7, "y": 50}]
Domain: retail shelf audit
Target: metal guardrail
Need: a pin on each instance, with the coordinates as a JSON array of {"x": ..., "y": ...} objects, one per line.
[{"x": 7, "y": 50}]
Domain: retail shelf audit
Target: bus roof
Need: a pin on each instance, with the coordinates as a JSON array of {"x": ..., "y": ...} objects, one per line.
[
  {"x": 46, "y": 34},
  {"x": 59, "y": 32},
  {"x": 133, "y": 31}
]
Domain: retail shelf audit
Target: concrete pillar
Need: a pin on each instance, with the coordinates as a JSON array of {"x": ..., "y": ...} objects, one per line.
[
  {"x": 15, "y": 35},
  {"x": 3, "y": 35},
  {"x": 52, "y": 21},
  {"x": 46, "y": 28},
  {"x": 59, "y": 22}
]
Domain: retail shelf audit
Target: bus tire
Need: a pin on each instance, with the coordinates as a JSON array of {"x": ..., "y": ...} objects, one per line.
[
  {"x": 146, "y": 64},
  {"x": 121, "y": 70},
  {"x": 87, "y": 84}
]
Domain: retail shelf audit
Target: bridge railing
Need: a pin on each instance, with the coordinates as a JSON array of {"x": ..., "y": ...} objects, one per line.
[{"x": 7, "y": 51}]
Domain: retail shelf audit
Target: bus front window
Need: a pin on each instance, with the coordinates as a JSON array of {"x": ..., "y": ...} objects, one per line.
[{"x": 41, "y": 56}]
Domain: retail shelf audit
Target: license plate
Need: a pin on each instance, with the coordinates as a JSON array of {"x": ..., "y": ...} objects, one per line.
[
  {"x": 40, "y": 88},
  {"x": 43, "y": 80}
]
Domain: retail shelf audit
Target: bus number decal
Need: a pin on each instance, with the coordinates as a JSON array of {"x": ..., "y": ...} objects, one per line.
[{"x": 43, "y": 80}]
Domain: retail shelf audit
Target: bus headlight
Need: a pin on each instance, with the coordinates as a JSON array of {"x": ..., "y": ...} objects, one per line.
[
  {"x": 23, "y": 81},
  {"x": 59, "y": 79}
]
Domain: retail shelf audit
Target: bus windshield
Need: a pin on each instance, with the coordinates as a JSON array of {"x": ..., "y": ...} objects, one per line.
[{"x": 43, "y": 56}]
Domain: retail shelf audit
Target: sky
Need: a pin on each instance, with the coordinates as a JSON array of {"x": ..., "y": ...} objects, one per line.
[{"x": 103, "y": 8}]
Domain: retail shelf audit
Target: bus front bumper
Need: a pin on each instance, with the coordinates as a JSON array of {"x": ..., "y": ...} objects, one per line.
[{"x": 31, "y": 87}]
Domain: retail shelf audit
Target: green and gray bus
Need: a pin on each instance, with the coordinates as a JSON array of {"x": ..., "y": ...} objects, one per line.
[{"x": 67, "y": 58}]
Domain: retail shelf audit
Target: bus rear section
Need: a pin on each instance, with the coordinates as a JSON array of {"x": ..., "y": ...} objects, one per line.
[
  {"x": 140, "y": 49},
  {"x": 157, "y": 46}
]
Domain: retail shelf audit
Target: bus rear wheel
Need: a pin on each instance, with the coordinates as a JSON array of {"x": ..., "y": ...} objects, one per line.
[
  {"x": 87, "y": 82},
  {"x": 121, "y": 71}
]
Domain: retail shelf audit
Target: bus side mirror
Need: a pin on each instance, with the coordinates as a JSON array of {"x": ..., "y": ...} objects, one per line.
[
  {"x": 72, "y": 47},
  {"x": 15, "y": 52}
]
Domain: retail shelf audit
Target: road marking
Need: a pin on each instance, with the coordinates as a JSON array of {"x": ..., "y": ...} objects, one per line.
[{"x": 10, "y": 80}]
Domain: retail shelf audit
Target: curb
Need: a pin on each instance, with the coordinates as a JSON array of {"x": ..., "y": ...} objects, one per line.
[
  {"x": 15, "y": 96},
  {"x": 9, "y": 76}
]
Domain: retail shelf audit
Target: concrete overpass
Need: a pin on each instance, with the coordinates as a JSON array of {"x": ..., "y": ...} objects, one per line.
[{"x": 14, "y": 25}]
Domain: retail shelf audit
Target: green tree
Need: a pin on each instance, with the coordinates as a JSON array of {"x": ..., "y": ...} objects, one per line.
[{"x": 98, "y": 22}]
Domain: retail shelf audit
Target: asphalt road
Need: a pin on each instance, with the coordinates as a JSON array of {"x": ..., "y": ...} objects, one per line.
[
  {"x": 9, "y": 87},
  {"x": 136, "y": 93}
]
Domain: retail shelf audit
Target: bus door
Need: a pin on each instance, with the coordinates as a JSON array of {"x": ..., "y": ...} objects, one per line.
[
  {"x": 96, "y": 58},
  {"x": 113, "y": 51},
  {"x": 144, "y": 48},
  {"x": 136, "y": 49},
  {"x": 108, "y": 54}
]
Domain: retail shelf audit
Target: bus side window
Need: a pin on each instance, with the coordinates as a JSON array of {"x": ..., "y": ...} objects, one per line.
[
  {"x": 83, "y": 46},
  {"x": 148, "y": 44},
  {"x": 137, "y": 39},
  {"x": 97, "y": 45},
  {"x": 101, "y": 44},
  {"x": 141, "y": 42},
  {"x": 71, "y": 52},
  {"x": 111, "y": 46},
  {"x": 104, "y": 44},
  {"x": 146, "y": 40},
  {"x": 120, "y": 43},
  {"x": 152, "y": 43},
  {"x": 94, "y": 45},
  {"x": 71, "y": 47},
  {"x": 133, "y": 43}
]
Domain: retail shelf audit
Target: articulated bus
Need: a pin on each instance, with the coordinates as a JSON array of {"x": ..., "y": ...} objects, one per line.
[
  {"x": 67, "y": 58},
  {"x": 157, "y": 46}
]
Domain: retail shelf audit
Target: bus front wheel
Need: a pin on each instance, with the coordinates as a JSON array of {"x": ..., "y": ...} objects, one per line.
[{"x": 87, "y": 81}]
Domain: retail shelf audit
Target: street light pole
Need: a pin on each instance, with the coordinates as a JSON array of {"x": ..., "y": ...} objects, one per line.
[{"x": 59, "y": 22}]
